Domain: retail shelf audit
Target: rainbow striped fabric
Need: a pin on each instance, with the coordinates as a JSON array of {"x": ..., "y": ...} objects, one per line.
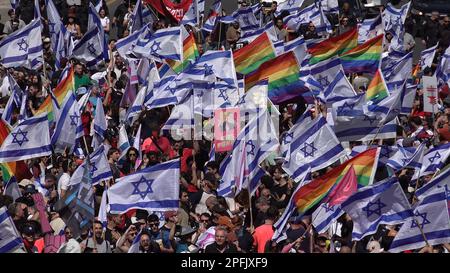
[
  {"x": 282, "y": 74},
  {"x": 377, "y": 89},
  {"x": 251, "y": 56},
  {"x": 333, "y": 46},
  {"x": 364, "y": 58},
  {"x": 60, "y": 92},
  {"x": 190, "y": 54},
  {"x": 311, "y": 194}
]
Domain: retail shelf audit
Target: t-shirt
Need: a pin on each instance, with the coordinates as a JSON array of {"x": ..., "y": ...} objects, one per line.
[
  {"x": 102, "y": 247},
  {"x": 81, "y": 81},
  {"x": 63, "y": 183},
  {"x": 262, "y": 234}
]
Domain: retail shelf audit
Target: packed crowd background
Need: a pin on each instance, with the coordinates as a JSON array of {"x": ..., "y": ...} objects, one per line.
[{"x": 205, "y": 222}]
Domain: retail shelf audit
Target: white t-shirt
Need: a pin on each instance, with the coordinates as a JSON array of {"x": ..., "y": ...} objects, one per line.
[
  {"x": 63, "y": 183},
  {"x": 104, "y": 21}
]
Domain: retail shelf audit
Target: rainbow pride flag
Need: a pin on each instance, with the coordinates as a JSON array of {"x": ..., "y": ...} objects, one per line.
[
  {"x": 190, "y": 53},
  {"x": 415, "y": 73},
  {"x": 364, "y": 164},
  {"x": 333, "y": 46},
  {"x": 364, "y": 58},
  {"x": 377, "y": 89},
  {"x": 282, "y": 74},
  {"x": 60, "y": 92},
  {"x": 251, "y": 56}
]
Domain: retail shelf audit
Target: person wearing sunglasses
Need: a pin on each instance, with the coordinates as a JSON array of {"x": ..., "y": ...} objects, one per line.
[{"x": 129, "y": 166}]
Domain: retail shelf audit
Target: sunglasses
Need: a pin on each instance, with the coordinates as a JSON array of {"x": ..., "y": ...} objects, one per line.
[
  {"x": 132, "y": 154},
  {"x": 153, "y": 224}
]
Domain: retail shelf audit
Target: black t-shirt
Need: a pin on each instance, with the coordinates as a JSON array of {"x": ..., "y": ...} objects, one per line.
[
  {"x": 214, "y": 248},
  {"x": 294, "y": 234}
]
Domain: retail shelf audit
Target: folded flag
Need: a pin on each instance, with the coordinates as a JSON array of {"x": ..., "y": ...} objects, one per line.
[
  {"x": 381, "y": 203},
  {"x": 325, "y": 215},
  {"x": 154, "y": 188},
  {"x": 333, "y": 46},
  {"x": 369, "y": 28},
  {"x": 427, "y": 56},
  {"x": 430, "y": 220},
  {"x": 340, "y": 88}
]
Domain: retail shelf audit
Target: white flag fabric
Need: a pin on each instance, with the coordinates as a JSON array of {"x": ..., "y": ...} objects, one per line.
[
  {"x": 380, "y": 203},
  {"x": 100, "y": 124},
  {"x": 68, "y": 125},
  {"x": 440, "y": 181},
  {"x": 443, "y": 69},
  {"x": 434, "y": 160},
  {"x": 23, "y": 47},
  {"x": 292, "y": 6},
  {"x": 102, "y": 212},
  {"x": 12, "y": 188},
  {"x": 314, "y": 146},
  {"x": 163, "y": 44},
  {"x": 124, "y": 143},
  {"x": 325, "y": 215},
  {"x": 190, "y": 17},
  {"x": 99, "y": 167},
  {"x": 430, "y": 215},
  {"x": 369, "y": 28},
  {"x": 427, "y": 57},
  {"x": 401, "y": 158},
  {"x": 125, "y": 45},
  {"x": 155, "y": 188},
  {"x": 10, "y": 238},
  {"x": 220, "y": 63},
  {"x": 30, "y": 139},
  {"x": 134, "y": 248},
  {"x": 340, "y": 88},
  {"x": 325, "y": 71}
]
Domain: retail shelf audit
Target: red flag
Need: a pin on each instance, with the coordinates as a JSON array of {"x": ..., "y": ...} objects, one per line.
[{"x": 346, "y": 187}]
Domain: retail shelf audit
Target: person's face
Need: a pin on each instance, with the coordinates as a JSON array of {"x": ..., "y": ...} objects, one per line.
[
  {"x": 220, "y": 237},
  {"x": 68, "y": 233},
  {"x": 102, "y": 13},
  {"x": 154, "y": 226},
  {"x": 279, "y": 24},
  {"x": 132, "y": 234},
  {"x": 184, "y": 197},
  {"x": 13, "y": 16},
  {"x": 311, "y": 27},
  {"x": 345, "y": 21},
  {"x": 173, "y": 219},
  {"x": 145, "y": 241},
  {"x": 115, "y": 156},
  {"x": 28, "y": 237},
  {"x": 265, "y": 193},
  {"x": 78, "y": 69},
  {"x": 273, "y": 7},
  {"x": 211, "y": 170},
  {"x": 21, "y": 210},
  {"x": 204, "y": 220},
  {"x": 125, "y": 33},
  {"x": 446, "y": 21},
  {"x": 177, "y": 146},
  {"x": 346, "y": 6},
  {"x": 277, "y": 174},
  {"x": 49, "y": 183},
  {"x": 132, "y": 156},
  {"x": 98, "y": 230}
]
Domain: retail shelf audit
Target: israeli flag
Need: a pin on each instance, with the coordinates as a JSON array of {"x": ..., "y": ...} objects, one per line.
[
  {"x": 125, "y": 45},
  {"x": 397, "y": 72},
  {"x": 252, "y": 146},
  {"x": 99, "y": 167},
  {"x": 340, "y": 88},
  {"x": 89, "y": 48},
  {"x": 59, "y": 36},
  {"x": 100, "y": 124},
  {"x": 190, "y": 17},
  {"x": 134, "y": 248},
  {"x": 12, "y": 188},
  {"x": 298, "y": 46},
  {"x": 292, "y": 6},
  {"x": 443, "y": 69},
  {"x": 380, "y": 203},
  {"x": 10, "y": 238},
  {"x": 29, "y": 139},
  {"x": 440, "y": 181},
  {"x": 325, "y": 71},
  {"x": 386, "y": 152},
  {"x": 163, "y": 44},
  {"x": 155, "y": 188},
  {"x": 14, "y": 101},
  {"x": 137, "y": 17},
  {"x": 369, "y": 28},
  {"x": 325, "y": 215},
  {"x": 314, "y": 146},
  {"x": 68, "y": 125},
  {"x": 389, "y": 108},
  {"x": 221, "y": 95},
  {"x": 394, "y": 19},
  {"x": 434, "y": 160},
  {"x": 181, "y": 119},
  {"x": 169, "y": 91},
  {"x": 124, "y": 143},
  {"x": 137, "y": 106},
  {"x": 427, "y": 57},
  {"x": 407, "y": 157},
  {"x": 251, "y": 35},
  {"x": 102, "y": 212},
  {"x": 408, "y": 99},
  {"x": 220, "y": 63},
  {"x": 254, "y": 99},
  {"x": 246, "y": 19},
  {"x": 23, "y": 47},
  {"x": 330, "y": 6},
  {"x": 430, "y": 215},
  {"x": 216, "y": 10}
]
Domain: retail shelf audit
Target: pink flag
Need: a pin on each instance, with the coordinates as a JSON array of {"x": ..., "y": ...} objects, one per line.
[{"x": 346, "y": 187}]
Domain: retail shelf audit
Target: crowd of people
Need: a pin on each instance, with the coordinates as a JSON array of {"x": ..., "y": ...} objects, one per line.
[{"x": 205, "y": 222}]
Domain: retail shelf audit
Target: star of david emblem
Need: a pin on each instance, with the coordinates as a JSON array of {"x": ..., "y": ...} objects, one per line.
[
  {"x": 208, "y": 69},
  {"x": 311, "y": 148},
  {"x": 385, "y": 152},
  {"x": 61, "y": 52},
  {"x": 423, "y": 221},
  {"x": 405, "y": 161},
  {"x": 51, "y": 27},
  {"x": 341, "y": 109},
  {"x": 155, "y": 47},
  {"x": 288, "y": 138},
  {"x": 23, "y": 138},
  {"x": 328, "y": 208},
  {"x": 397, "y": 22},
  {"x": 323, "y": 80},
  {"x": 172, "y": 88},
  {"x": 370, "y": 119},
  {"x": 223, "y": 94},
  {"x": 137, "y": 187},
  {"x": 93, "y": 168},
  {"x": 241, "y": 101},
  {"x": 23, "y": 45},
  {"x": 291, "y": 3},
  {"x": 246, "y": 21},
  {"x": 249, "y": 144},
  {"x": 91, "y": 49},
  {"x": 378, "y": 205},
  {"x": 74, "y": 119},
  {"x": 437, "y": 155}
]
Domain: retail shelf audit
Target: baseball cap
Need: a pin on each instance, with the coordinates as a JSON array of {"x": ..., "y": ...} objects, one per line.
[
  {"x": 29, "y": 230},
  {"x": 30, "y": 189}
]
